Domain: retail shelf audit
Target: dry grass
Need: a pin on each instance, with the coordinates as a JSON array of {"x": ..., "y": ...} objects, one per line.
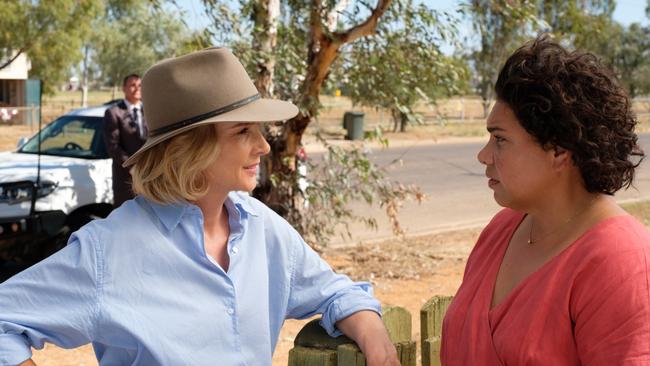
[
  {"x": 63, "y": 102},
  {"x": 640, "y": 210},
  {"x": 451, "y": 118},
  {"x": 9, "y": 136}
]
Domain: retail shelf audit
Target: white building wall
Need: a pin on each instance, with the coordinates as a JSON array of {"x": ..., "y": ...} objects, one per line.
[{"x": 17, "y": 70}]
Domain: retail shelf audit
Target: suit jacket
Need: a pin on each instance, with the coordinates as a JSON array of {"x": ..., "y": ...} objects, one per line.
[{"x": 122, "y": 140}]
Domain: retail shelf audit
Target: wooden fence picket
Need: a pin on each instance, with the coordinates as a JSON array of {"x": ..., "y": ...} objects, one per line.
[{"x": 431, "y": 316}]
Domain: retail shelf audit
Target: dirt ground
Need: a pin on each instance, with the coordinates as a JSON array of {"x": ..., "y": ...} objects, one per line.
[{"x": 405, "y": 272}]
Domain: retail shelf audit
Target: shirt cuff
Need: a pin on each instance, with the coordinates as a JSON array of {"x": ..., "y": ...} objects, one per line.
[
  {"x": 345, "y": 306},
  {"x": 14, "y": 349}
]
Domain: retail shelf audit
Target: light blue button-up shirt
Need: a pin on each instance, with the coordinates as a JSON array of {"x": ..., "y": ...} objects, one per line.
[{"x": 140, "y": 287}]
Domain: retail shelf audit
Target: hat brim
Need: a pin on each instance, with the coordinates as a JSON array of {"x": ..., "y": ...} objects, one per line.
[{"x": 261, "y": 110}]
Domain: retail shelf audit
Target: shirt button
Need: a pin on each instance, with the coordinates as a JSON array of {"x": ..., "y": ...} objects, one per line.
[
  {"x": 234, "y": 250},
  {"x": 230, "y": 311}
]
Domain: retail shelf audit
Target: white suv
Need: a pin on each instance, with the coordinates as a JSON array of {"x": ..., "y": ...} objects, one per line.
[{"x": 46, "y": 196}]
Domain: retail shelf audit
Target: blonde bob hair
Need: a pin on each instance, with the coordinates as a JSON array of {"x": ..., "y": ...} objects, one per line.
[{"x": 175, "y": 170}]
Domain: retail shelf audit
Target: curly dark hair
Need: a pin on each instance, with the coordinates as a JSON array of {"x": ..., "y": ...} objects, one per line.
[{"x": 571, "y": 100}]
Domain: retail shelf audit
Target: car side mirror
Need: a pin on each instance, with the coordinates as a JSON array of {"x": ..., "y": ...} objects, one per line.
[{"x": 22, "y": 141}]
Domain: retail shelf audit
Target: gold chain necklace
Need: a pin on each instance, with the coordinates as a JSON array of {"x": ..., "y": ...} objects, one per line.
[{"x": 573, "y": 217}]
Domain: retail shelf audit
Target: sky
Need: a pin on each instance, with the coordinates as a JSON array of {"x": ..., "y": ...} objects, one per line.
[{"x": 626, "y": 12}]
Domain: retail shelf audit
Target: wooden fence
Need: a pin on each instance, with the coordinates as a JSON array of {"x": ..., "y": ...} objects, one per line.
[{"x": 313, "y": 347}]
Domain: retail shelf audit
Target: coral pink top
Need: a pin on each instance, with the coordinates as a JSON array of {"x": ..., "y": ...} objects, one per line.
[{"x": 589, "y": 305}]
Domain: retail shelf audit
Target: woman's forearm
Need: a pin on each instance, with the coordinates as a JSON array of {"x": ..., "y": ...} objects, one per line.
[{"x": 369, "y": 332}]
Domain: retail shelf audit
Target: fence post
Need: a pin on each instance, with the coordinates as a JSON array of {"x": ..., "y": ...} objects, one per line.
[
  {"x": 431, "y": 316},
  {"x": 33, "y": 117},
  {"x": 313, "y": 346}
]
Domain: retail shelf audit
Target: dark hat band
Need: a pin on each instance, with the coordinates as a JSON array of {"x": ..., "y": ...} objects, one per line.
[{"x": 204, "y": 116}]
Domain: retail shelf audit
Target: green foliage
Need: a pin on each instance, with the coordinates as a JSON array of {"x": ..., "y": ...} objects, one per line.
[
  {"x": 229, "y": 26},
  {"x": 631, "y": 58},
  {"x": 235, "y": 29},
  {"x": 291, "y": 53},
  {"x": 418, "y": 27},
  {"x": 588, "y": 25},
  {"x": 120, "y": 36},
  {"x": 584, "y": 25},
  {"x": 403, "y": 65},
  {"x": 50, "y": 33},
  {"x": 577, "y": 22},
  {"x": 132, "y": 37},
  {"x": 346, "y": 175},
  {"x": 501, "y": 27}
]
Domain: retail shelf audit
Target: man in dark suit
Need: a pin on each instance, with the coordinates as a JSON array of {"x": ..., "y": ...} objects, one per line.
[{"x": 125, "y": 131}]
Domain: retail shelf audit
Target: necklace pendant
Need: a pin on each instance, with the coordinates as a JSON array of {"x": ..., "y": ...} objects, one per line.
[{"x": 530, "y": 241}]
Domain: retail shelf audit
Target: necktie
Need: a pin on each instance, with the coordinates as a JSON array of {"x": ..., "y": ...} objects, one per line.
[{"x": 138, "y": 121}]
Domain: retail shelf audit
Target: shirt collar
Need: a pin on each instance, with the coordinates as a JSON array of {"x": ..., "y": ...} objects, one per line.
[
  {"x": 130, "y": 106},
  {"x": 170, "y": 214},
  {"x": 241, "y": 200}
]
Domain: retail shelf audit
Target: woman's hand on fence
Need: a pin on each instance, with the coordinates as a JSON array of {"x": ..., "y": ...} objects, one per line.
[{"x": 368, "y": 331}]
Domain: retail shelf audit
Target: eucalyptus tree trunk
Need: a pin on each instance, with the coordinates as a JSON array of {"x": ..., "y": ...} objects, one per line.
[
  {"x": 404, "y": 120},
  {"x": 84, "y": 78},
  {"x": 265, "y": 34},
  {"x": 265, "y": 14},
  {"x": 500, "y": 27},
  {"x": 485, "y": 103}
]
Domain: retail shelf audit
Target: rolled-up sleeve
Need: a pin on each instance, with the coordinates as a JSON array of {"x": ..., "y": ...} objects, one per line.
[
  {"x": 55, "y": 301},
  {"x": 316, "y": 289}
]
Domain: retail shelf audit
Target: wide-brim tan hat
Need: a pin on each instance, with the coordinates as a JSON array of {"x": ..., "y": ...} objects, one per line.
[{"x": 200, "y": 88}]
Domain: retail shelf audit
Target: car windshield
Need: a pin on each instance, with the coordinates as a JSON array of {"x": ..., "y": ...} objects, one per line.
[{"x": 71, "y": 136}]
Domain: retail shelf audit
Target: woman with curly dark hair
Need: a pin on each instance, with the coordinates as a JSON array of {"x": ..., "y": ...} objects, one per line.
[{"x": 561, "y": 275}]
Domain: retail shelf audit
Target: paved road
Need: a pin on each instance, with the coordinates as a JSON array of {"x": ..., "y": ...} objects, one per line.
[{"x": 458, "y": 195}]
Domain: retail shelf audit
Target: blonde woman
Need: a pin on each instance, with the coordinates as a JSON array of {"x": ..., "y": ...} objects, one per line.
[{"x": 192, "y": 271}]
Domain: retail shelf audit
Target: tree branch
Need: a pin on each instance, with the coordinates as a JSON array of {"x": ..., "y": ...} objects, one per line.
[
  {"x": 29, "y": 44},
  {"x": 12, "y": 59},
  {"x": 316, "y": 23},
  {"x": 368, "y": 27}
]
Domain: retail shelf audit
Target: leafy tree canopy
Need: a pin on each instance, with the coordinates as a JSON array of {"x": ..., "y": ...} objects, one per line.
[
  {"x": 403, "y": 64},
  {"x": 51, "y": 33},
  {"x": 130, "y": 38}
]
